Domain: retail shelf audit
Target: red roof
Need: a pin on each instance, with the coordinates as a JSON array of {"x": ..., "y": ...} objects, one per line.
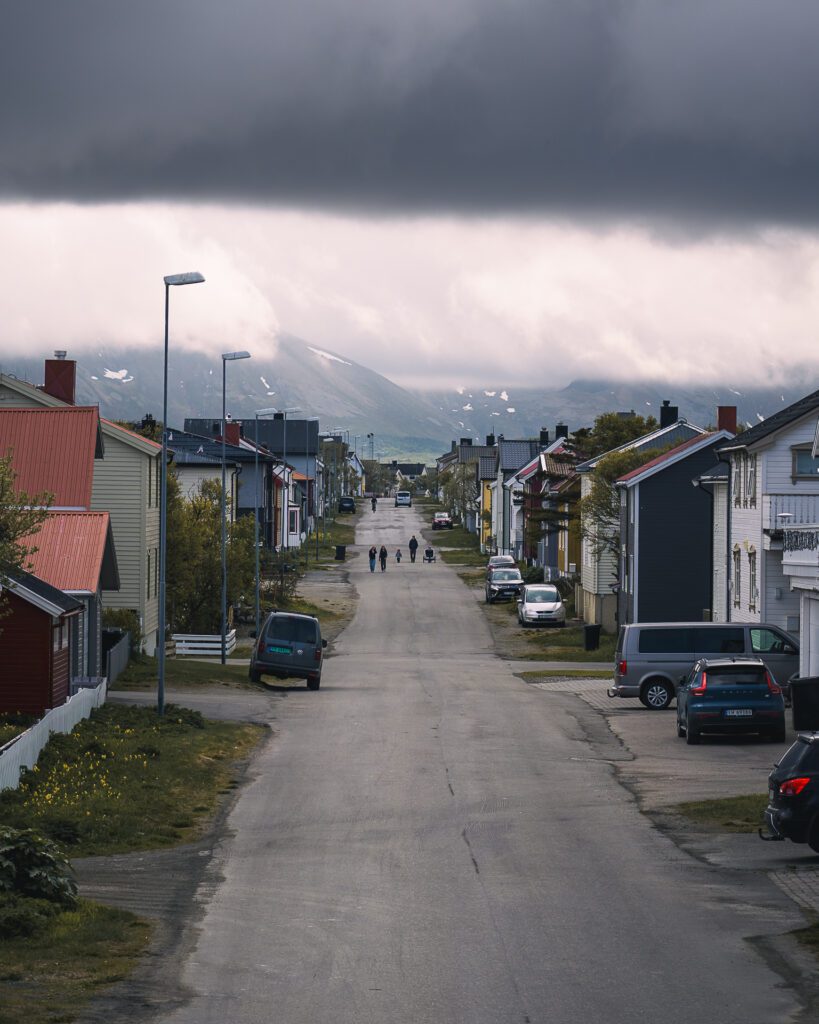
[
  {"x": 666, "y": 457},
  {"x": 53, "y": 450},
  {"x": 71, "y": 550}
]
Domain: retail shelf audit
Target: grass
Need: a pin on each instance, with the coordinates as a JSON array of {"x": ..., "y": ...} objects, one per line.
[
  {"x": 182, "y": 672},
  {"x": 13, "y": 724},
  {"x": 50, "y": 977},
  {"x": 460, "y": 556},
  {"x": 729, "y": 814},
  {"x": 126, "y": 779}
]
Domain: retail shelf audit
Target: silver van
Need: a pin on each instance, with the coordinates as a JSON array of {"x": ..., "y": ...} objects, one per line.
[{"x": 651, "y": 656}]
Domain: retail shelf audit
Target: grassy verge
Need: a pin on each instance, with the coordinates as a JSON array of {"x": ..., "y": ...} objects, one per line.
[
  {"x": 126, "y": 779},
  {"x": 13, "y": 724},
  {"x": 460, "y": 556},
  {"x": 181, "y": 672},
  {"x": 730, "y": 814},
  {"x": 564, "y": 644},
  {"x": 51, "y": 976},
  {"x": 338, "y": 532}
]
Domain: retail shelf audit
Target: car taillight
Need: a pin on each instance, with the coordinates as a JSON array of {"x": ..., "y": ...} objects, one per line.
[
  {"x": 622, "y": 667},
  {"x": 318, "y": 654},
  {"x": 772, "y": 686},
  {"x": 260, "y": 644},
  {"x": 698, "y": 691},
  {"x": 793, "y": 787}
]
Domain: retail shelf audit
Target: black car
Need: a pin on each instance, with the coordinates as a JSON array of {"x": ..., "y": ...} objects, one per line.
[
  {"x": 501, "y": 583},
  {"x": 793, "y": 793},
  {"x": 346, "y": 503}
]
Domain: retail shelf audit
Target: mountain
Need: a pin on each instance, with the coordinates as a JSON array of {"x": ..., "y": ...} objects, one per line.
[{"x": 417, "y": 425}]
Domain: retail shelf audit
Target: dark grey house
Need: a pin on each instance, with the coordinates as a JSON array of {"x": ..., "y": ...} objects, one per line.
[{"x": 665, "y": 565}]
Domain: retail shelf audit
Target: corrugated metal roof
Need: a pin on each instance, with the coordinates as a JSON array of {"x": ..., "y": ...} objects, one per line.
[
  {"x": 486, "y": 467},
  {"x": 514, "y": 454},
  {"x": 130, "y": 436},
  {"x": 782, "y": 418},
  {"x": 71, "y": 550},
  {"x": 668, "y": 458},
  {"x": 680, "y": 430},
  {"x": 53, "y": 450}
]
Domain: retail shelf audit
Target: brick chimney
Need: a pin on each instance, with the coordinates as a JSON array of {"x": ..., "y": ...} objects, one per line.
[
  {"x": 544, "y": 437},
  {"x": 727, "y": 418},
  {"x": 466, "y": 440},
  {"x": 490, "y": 440},
  {"x": 561, "y": 430},
  {"x": 61, "y": 377},
  {"x": 668, "y": 414},
  {"x": 233, "y": 432}
]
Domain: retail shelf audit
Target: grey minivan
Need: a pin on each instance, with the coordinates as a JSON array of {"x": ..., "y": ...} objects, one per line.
[
  {"x": 651, "y": 657},
  {"x": 289, "y": 645}
]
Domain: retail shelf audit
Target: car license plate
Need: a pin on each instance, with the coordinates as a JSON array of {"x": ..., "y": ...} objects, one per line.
[
  {"x": 738, "y": 713},
  {"x": 277, "y": 650},
  {"x": 771, "y": 795}
]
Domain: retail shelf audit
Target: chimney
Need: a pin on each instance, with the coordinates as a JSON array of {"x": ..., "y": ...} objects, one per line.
[
  {"x": 668, "y": 414},
  {"x": 61, "y": 377},
  {"x": 466, "y": 440},
  {"x": 544, "y": 437},
  {"x": 727, "y": 418},
  {"x": 561, "y": 430},
  {"x": 490, "y": 440},
  {"x": 233, "y": 432}
]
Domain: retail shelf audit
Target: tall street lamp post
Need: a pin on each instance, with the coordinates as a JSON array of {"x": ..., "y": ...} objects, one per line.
[
  {"x": 258, "y": 413},
  {"x": 226, "y": 356},
  {"x": 286, "y": 512},
  {"x": 172, "y": 280}
]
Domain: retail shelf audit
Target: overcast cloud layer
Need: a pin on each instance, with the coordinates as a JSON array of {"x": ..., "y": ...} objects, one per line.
[{"x": 703, "y": 109}]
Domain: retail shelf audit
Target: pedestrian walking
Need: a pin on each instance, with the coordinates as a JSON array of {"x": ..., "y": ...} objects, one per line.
[
  {"x": 413, "y": 547},
  {"x": 382, "y": 557},
  {"x": 398, "y": 556},
  {"x": 373, "y": 554}
]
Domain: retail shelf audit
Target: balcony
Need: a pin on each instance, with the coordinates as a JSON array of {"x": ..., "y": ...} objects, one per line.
[
  {"x": 781, "y": 510},
  {"x": 800, "y": 551}
]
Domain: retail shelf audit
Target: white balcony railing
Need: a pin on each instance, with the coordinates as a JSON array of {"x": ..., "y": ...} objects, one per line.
[
  {"x": 781, "y": 510},
  {"x": 800, "y": 550}
]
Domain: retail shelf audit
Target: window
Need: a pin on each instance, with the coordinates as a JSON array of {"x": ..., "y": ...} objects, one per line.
[
  {"x": 679, "y": 640},
  {"x": 294, "y": 520},
  {"x": 736, "y": 467},
  {"x": 57, "y": 636},
  {"x": 768, "y": 641},
  {"x": 752, "y": 592},
  {"x": 737, "y": 575},
  {"x": 719, "y": 640},
  {"x": 148, "y": 579},
  {"x": 156, "y": 571},
  {"x": 805, "y": 466},
  {"x": 750, "y": 489}
]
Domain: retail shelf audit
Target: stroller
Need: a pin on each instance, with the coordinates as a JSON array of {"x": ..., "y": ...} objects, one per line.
[{"x": 429, "y": 554}]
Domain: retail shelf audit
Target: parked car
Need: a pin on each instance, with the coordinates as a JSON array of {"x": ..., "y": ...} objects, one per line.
[
  {"x": 730, "y": 695},
  {"x": 503, "y": 582},
  {"x": 442, "y": 521},
  {"x": 500, "y": 561},
  {"x": 289, "y": 645},
  {"x": 403, "y": 498},
  {"x": 346, "y": 503},
  {"x": 540, "y": 604},
  {"x": 793, "y": 793},
  {"x": 651, "y": 657}
]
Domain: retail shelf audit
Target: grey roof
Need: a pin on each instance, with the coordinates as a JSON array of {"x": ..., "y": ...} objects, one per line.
[
  {"x": 196, "y": 450},
  {"x": 473, "y": 452},
  {"x": 514, "y": 454},
  {"x": 714, "y": 475},
  {"x": 808, "y": 404},
  {"x": 27, "y": 585},
  {"x": 674, "y": 434},
  {"x": 486, "y": 467}
]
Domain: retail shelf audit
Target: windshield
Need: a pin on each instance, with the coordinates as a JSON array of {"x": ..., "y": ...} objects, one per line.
[
  {"x": 542, "y": 595},
  {"x": 506, "y": 574}
]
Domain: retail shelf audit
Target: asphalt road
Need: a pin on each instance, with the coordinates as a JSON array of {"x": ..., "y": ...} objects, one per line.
[{"x": 429, "y": 839}]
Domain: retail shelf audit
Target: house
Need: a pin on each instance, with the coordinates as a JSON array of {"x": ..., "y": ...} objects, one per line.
[
  {"x": 538, "y": 544},
  {"x": 596, "y": 599},
  {"x": 766, "y": 511},
  {"x": 550, "y": 490},
  {"x": 485, "y": 474},
  {"x": 461, "y": 457},
  {"x": 666, "y": 532},
  {"x": 126, "y": 483},
  {"x": 510, "y": 456},
  {"x": 35, "y": 645}
]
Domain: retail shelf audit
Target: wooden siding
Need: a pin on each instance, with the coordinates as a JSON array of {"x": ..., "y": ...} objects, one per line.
[
  {"x": 778, "y": 463},
  {"x": 777, "y": 610},
  {"x": 719, "y": 596},
  {"x": 25, "y": 654}
]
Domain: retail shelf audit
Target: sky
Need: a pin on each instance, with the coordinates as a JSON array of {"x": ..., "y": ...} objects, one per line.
[{"x": 466, "y": 193}]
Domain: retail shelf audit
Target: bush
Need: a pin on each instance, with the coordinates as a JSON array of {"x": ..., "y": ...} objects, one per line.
[
  {"x": 31, "y": 865},
  {"x": 127, "y": 619},
  {"x": 22, "y": 918}
]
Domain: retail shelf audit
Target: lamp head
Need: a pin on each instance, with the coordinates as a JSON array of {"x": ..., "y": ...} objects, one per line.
[
  {"x": 191, "y": 277},
  {"x": 235, "y": 355}
]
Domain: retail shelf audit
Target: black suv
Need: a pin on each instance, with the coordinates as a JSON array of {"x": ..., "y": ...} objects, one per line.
[
  {"x": 501, "y": 583},
  {"x": 346, "y": 503},
  {"x": 793, "y": 793}
]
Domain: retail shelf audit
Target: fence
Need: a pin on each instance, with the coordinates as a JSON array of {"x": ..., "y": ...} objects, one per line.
[
  {"x": 204, "y": 644},
  {"x": 116, "y": 659},
  {"x": 23, "y": 750}
]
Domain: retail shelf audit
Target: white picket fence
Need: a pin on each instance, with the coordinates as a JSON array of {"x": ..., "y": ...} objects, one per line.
[
  {"x": 23, "y": 750},
  {"x": 205, "y": 645}
]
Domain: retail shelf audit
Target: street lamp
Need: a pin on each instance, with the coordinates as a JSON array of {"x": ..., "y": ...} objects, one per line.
[
  {"x": 226, "y": 356},
  {"x": 258, "y": 413},
  {"x": 286, "y": 509},
  {"x": 192, "y": 277}
]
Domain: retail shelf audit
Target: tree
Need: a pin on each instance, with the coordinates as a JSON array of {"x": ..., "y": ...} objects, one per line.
[
  {"x": 21, "y": 516},
  {"x": 611, "y": 430},
  {"x": 459, "y": 489}
]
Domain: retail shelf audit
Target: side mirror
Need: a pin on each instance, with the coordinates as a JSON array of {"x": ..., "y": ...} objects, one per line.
[{"x": 323, "y": 643}]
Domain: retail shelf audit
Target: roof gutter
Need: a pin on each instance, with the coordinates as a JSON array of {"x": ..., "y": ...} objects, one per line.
[{"x": 728, "y": 491}]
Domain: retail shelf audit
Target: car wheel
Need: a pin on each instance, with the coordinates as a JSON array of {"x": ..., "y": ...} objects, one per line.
[
  {"x": 680, "y": 729},
  {"x": 813, "y": 835},
  {"x": 255, "y": 677},
  {"x": 656, "y": 694},
  {"x": 314, "y": 684},
  {"x": 692, "y": 736}
]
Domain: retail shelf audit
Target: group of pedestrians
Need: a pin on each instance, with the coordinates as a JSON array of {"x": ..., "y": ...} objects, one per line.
[{"x": 380, "y": 554}]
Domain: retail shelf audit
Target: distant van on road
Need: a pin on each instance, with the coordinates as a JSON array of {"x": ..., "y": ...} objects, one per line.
[
  {"x": 651, "y": 656},
  {"x": 403, "y": 498}
]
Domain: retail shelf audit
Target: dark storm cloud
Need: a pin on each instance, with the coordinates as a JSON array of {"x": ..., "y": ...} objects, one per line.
[{"x": 612, "y": 107}]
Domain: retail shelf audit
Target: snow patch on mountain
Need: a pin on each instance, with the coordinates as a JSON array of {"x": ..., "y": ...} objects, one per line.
[{"x": 329, "y": 356}]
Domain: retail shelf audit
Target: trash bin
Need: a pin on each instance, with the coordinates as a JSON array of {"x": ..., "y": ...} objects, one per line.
[
  {"x": 591, "y": 637},
  {"x": 805, "y": 703},
  {"x": 341, "y": 552}
]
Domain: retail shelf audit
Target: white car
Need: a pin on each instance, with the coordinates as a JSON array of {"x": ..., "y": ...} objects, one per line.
[
  {"x": 403, "y": 498},
  {"x": 541, "y": 604}
]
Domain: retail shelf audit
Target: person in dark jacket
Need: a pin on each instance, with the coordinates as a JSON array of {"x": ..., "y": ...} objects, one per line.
[
  {"x": 372, "y": 555},
  {"x": 382, "y": 557},
  {"x": 413, "y": 547}
]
